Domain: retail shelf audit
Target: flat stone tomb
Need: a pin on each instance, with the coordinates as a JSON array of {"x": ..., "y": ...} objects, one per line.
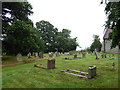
[{"x": 91, "y": 72}]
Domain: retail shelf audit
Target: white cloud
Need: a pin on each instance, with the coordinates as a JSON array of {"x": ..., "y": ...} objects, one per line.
[{"x": 83, "y": 17}]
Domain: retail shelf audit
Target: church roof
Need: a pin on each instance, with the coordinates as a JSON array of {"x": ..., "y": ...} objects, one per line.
[{"x": 106, "y": 35}]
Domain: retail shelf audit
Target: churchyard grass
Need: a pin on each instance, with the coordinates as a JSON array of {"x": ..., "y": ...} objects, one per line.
[{"x": 28, "y": 76}]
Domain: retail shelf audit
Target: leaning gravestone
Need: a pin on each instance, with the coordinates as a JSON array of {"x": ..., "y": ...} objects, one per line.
[
  {"x": 96, "y": 54},
  {"x": 19, "y": 57}
]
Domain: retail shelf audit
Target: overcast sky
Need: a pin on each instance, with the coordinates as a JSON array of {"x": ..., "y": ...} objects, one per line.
[{"x": 83, "y": 17}]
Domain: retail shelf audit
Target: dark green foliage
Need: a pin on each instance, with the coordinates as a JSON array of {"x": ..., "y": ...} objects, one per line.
[
  {"x": 21, "y": 38},
  {"x": 48, "y": 34},
  {"x": 54, "y": 40},
  {"x": 113, "y": 14},
  {"x": 96, "y": 44},
  {"x": 19, "y": 35}
]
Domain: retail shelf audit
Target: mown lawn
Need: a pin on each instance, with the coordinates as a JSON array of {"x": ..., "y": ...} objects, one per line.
[{"x": 28, "y": 76}]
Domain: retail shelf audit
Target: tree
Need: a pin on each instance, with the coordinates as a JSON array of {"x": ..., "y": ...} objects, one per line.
[
  {"x": 96, "y": 44},
  {"x": 19, "y": 35},
  {"x": 21, "y": 38},
  {"x": 15, "y": 11},
  {"x": 66, "y": 33},
  {"x": 48, "y": 34},
  {"x": 64, "y": 42},
  {"x": 112, "y": 10},
  {"x": 54, "y": 40}
]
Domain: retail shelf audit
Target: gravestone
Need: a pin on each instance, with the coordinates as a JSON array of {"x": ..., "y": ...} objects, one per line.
[
  {"x": 40, "y": 55},
  {"x": 96, "y": 54},
  {"x": 91, "y": 72},
  {"x": 57, "y": 54},
  {"x": 36, "y": 54},
  {"x": 33, "y": 54},
  {"x": 51, "y": 64},
  {"x": 83, "y": 54},
  {"x": 3, "y": 53},
  {"x": 29, "y": 55},
  {"x": 103, "y": 55},
  {"x": 50, "y": 54},
  {"x": 90, "y": 53},
  {"x": 19, "y": 57}
]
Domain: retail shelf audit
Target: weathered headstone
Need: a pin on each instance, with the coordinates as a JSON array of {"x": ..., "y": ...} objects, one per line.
[
  {"x": 51, "y": 64},
  {"x": 19, "y": 57},
  {"x": 91, "y": 72},
  {"x": 83, "y": 54},
  {"x": 40, "y": 55},
  {"x": 51, "y": 54},
  {"x": 36, "y": 54},
  {"x": 29, "y": 55},
  {"x": 4, "y": 53},
  {"x": 57, "y": 54},
  {"x": 33, "y": 54}
]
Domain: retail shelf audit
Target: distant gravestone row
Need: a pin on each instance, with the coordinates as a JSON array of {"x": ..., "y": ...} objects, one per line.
[
  {"x": 51, "y": 54},
  {"x": 29, "y": 55},
  {"x": 35, "y": 54}
]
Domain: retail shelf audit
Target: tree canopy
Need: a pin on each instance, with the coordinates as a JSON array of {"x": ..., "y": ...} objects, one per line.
[
  {"x": 19, "y": 35},
  {"x": 112, "y": 10},
  {"x": 96, "y": 44},
  {"x": 55, "y": 40}
]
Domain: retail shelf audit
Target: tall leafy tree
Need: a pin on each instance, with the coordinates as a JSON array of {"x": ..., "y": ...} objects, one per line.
[
  {"x": 48, "y": 33},
  {"x": 54, "y": 40},
  {"x": 21, "y": 39},
  {"x": 96, "y": 43},
  {"x": 15, "y": 11},
  {"x": 19, "y": 35}
]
